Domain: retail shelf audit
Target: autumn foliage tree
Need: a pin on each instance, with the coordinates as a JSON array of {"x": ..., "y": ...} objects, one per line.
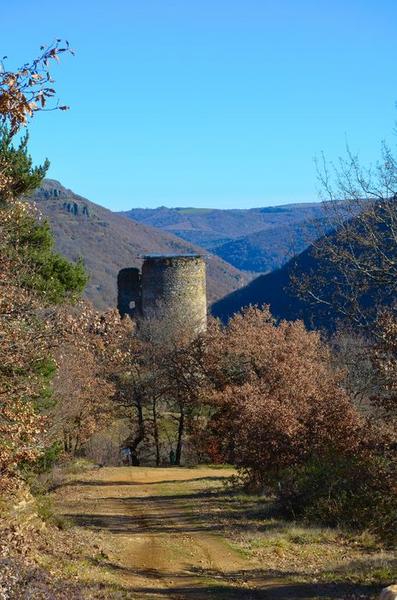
[
  {"x": 278, "y": 398},
  {"x": 384, "y": 358},
  {"x": 173, "y": 346},
  {"x": 356, "y": 287},
  {"x": 30, "y": 88},
  {"x": 32, "y": 275},
  {"x": 88, "y": 353},
  {"x": 23, "y": 92},
  {"x": 23, "y": 348},
  {"x": 25, "y": 341}
]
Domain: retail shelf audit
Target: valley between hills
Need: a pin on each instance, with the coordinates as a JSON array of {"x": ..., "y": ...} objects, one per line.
[{"x": 238, "y": 244}]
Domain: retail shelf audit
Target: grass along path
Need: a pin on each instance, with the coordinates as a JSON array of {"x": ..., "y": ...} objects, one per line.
[{"x": 177, "y": 533}]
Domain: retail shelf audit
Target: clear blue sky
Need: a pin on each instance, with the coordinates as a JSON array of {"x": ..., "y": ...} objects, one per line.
[{"x": 219, "y": 103}]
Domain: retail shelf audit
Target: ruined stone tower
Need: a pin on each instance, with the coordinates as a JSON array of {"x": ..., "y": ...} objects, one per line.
[{"x": 171, "y": 287}]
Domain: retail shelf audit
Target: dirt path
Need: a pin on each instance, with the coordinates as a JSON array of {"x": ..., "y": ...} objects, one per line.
[
  {"x": 155, "y": 535},
  {"x": 163, "y": 534}
]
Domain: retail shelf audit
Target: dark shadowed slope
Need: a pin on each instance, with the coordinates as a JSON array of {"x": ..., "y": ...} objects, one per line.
[
  {"x": 108, "y": 242},
  {"x": 341, "y": 297},
  {"x": 277, "y": 290},
  {"x": 274, "y": 289}
]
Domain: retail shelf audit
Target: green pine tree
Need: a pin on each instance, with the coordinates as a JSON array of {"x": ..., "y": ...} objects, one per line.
[
  {"x": 16, "y": 163},
  {"x": 45, "y": 271}
]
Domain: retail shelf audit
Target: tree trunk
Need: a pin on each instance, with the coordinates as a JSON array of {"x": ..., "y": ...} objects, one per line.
[
  {"x": 76, "y": 445},
  {"x": 181, "y": 430},
  {"x": 156, "y": 433},
  {"x": 66, "y": 442},
  {"x": 132, "y": 443}
]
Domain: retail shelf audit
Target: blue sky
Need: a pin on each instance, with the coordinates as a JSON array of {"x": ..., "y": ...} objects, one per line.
[{"x": 208, "y": 102}]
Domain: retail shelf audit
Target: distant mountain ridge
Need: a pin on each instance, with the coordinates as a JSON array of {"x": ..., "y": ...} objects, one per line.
[
  {"x": 108, "y": 242},
  {"x": 254, "y": 240}
]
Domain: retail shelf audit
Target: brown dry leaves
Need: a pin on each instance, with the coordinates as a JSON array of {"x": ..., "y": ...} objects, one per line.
[
  {"x": 279, "y": 398},
  {"x": 29, "y": 89}
]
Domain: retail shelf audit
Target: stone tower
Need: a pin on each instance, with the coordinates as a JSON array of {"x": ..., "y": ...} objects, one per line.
[{"x": 171, "y": 287}]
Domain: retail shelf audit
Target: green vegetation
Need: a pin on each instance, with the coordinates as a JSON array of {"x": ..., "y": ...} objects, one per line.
[
  {"x": 346, "y": 492},
  {"x": 46, "y": 272},
  {"x": 31, "y": 241},
  {"x": 302, "y": 553},
  {"x": 17, "y": 165},
  {"x": 194, "y": 211}
]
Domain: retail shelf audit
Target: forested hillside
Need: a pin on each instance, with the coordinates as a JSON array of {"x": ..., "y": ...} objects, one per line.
[
  {"x": 268, "y": 249},
  {"x": 276, "y": 289},
  {"x": 329, "y": 281},
  {"x": 256, "y": 239}
]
